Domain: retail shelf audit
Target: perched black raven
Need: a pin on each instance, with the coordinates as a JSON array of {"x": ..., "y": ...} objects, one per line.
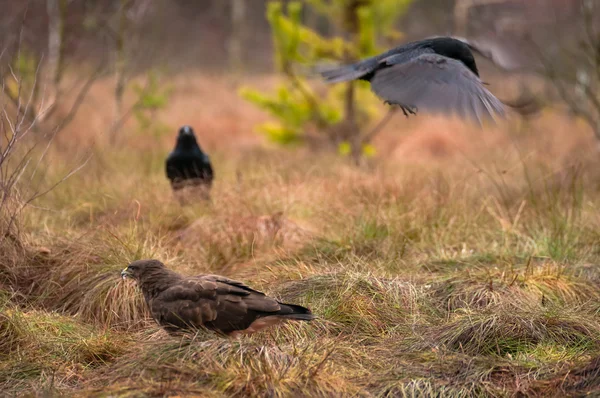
[
  {"x": 187, "y": 165},
  {"x": 437, "y": 74}
]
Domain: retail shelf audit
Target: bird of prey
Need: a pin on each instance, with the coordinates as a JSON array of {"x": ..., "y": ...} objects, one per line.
[
  {"x": 438, "y": 75},
  {"x": 181, "y": 303},
  {"x": 187, "y": 165}
]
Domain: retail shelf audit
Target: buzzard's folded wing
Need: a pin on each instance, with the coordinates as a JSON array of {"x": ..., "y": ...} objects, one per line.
[{"x": 222, "y": 304}]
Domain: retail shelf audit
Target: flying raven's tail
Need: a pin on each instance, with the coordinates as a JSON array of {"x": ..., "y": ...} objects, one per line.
[{"x": 341, "y": 74}]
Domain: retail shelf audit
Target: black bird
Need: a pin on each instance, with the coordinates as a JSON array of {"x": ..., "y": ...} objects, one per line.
[
  {"x": 187, "y": 165},
  {"x": 437, "y": 74}
]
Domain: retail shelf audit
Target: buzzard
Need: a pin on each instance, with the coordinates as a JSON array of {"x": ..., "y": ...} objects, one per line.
[
  {"x": 438, "y": 74},
  {"x": 181, "y": 303},
  {"x": 187, "y": 165}
]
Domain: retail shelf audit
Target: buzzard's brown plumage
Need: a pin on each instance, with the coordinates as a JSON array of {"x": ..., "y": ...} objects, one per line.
[{"x": 178, "y": 302}]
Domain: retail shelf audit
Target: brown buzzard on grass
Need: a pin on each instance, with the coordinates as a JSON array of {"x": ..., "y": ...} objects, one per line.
[{"x": 214, "y": 302}]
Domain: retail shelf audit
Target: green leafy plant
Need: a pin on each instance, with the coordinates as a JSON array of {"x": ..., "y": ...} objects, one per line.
[
  {"x": 152, "y": 97},
  {"x": 25, "y": 66}
]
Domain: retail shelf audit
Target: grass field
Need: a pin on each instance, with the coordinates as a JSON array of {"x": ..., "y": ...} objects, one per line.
[{"x": 457, "y": 263}]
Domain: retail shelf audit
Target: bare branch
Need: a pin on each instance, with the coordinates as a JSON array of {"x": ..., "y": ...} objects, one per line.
[
  {"x": 30, "y": 98},
  {"x": 379, "y": 126},
  {"x": 587, "y": 104},
  {"x": 118, "y": 124},
  {"x": 15, "y": 162},
  {"x": 80, "y": 98},
  {"x": 308, "y": 96}
]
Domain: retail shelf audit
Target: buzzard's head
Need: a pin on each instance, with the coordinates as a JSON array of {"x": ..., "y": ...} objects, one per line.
[{"x": 137, "y": 270}]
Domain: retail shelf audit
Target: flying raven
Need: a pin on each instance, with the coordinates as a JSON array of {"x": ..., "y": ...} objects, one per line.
[
  {"x": 182, "y": 303},
  {"x": 438, "y": 74},
  {"x": 187, "y": 165}
]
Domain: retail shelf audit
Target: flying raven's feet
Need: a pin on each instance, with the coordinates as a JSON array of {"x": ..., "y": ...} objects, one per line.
[{"x": 408, "y": 110}]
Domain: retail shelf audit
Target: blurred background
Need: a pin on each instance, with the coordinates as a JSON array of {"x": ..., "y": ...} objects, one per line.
[{"x": 128, "y": 73}]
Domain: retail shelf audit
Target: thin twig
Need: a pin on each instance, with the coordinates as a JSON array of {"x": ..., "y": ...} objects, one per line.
[
  {"x": 127, "y": 114},
  {"x": 308, "y": 96},
  {"x": 80, "y": 98},
  {"x": 379, "y": 126}
]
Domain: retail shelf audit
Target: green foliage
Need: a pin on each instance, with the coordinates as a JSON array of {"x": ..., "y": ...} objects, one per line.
[
  {"x": 152, "y": 97},
  {"x": 385, "y": 12},
  {"x": 25, "y": 65},
  {"x": 298, "y": 109},
  {"x": 367, "y": 150},
  {"x": 366, "y": 31},
  {"x": 293, "y": 111}
]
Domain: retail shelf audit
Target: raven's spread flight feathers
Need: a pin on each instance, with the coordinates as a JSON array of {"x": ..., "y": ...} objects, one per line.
[
  {"x": 187, "y": 164},
  {"x": 437, "y": 74},
  {"x": 179, "y": 303}
]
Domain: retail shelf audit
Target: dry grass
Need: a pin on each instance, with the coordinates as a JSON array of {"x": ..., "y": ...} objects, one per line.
[{"x": 459, "y": 263}]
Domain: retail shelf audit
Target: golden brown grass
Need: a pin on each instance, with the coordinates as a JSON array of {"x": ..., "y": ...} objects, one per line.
[{"x": 458, "y": 263}]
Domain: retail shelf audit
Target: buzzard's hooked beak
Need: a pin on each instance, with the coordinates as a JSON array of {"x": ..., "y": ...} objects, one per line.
[{"x": 125, "y": 273}]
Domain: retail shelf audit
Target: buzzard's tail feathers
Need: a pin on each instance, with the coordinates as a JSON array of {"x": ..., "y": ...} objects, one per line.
[
  {"x": 295, "y": 312},
  {"x": 300, "y": 317}
]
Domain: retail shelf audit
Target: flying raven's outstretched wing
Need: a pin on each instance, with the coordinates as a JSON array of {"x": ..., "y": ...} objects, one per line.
[
  {"x": 435, "y": 83},
  {"x": 437, "y": 75}
]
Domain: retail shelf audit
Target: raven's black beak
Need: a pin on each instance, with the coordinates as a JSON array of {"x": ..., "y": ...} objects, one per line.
[{"x": 186, "y": 130}]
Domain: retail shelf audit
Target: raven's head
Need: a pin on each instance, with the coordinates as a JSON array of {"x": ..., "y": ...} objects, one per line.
[
  {"x": 186, "y": 139},
  {"x": 456, "y": 48},
  {"x": 186, "y": 130}
]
